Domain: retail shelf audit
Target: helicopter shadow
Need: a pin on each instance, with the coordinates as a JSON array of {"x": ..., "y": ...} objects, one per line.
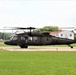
[{"x": 38, "y": 49}]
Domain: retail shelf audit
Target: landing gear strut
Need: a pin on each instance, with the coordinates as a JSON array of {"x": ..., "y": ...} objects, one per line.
[{"x": 70, "y": 46}]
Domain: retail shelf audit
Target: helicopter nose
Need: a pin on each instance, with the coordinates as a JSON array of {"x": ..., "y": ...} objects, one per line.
[{"x": 6, "y": 42}]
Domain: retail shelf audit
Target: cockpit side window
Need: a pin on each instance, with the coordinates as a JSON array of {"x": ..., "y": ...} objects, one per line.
[
  {"x": 11, "y": 38},
  {"x": 32, "y": 38},
  {"x": 15, "y": 38}
]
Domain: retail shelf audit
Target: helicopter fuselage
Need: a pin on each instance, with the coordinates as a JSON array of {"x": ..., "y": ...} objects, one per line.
[{"x": 37, "y": 39}]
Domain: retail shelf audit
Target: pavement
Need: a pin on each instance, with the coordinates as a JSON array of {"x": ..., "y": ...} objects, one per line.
[{"x": 38, "y": 48}]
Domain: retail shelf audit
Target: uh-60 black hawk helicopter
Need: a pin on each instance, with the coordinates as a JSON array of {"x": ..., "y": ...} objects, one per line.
[{"x": 35, "y": 38}]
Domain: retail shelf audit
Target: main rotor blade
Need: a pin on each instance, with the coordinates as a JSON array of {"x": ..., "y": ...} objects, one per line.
[
  {"x": 22, "y": 28},
  {"x": 68, "y": 28},
  {"x": 8, "y": 29}
]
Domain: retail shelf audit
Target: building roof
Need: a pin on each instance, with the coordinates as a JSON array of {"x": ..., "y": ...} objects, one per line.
[{"x": 55, "y": 32}]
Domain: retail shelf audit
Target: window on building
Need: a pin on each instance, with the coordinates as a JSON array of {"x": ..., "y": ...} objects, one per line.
[
  {"x": 61, "y": 34},
  {"x": 70, "y": 35}
]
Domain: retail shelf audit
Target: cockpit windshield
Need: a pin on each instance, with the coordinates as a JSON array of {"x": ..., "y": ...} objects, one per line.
[{"x": 13, "y": 37}]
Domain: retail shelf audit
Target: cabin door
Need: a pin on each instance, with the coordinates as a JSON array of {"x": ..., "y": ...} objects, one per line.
[{"x": 42, "y": 40}]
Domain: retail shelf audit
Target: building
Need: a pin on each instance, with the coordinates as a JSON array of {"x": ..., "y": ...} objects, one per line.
[{"x": 63, "y": 34}]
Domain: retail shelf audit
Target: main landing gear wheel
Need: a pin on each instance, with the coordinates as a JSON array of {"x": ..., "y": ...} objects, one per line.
[
  {"x": 71, "y": 46},
  {"x": 24, "y": 46}
]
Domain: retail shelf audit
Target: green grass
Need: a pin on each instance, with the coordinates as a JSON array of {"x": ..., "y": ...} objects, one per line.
[
  {"x": 2, "y": 44},
  {"x": 37, "y": 63}
]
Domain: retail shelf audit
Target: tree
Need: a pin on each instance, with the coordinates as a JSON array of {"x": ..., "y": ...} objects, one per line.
[
  {"x": 4, "y": 36},
  {"x": 47, "y": 29}
]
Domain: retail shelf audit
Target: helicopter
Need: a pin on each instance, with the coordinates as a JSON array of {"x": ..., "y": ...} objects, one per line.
[{"x": 26, "y": 39}]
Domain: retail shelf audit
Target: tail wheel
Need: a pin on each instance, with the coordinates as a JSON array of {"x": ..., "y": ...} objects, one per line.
[{"x": 70, "y": 46}]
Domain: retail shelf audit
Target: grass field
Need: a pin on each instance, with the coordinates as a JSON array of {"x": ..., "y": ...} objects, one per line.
[
  {"x": 2, "y": 44},
  {"x": 37, "y": 63}
]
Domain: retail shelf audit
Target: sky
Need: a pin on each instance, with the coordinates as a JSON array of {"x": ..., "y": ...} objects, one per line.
[{"x": 37, "y": 13}]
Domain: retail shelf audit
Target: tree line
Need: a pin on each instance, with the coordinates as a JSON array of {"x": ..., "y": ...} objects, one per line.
[
  {"x": 4, "y": 36},
  {"x": 47, "y": 29}
]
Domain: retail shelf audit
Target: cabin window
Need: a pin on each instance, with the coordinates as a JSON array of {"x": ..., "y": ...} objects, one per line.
[
  {"x": 30, "y": 38},
  {"x": 22, "y": 38},
  {"x": 35, "y": 38}
]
